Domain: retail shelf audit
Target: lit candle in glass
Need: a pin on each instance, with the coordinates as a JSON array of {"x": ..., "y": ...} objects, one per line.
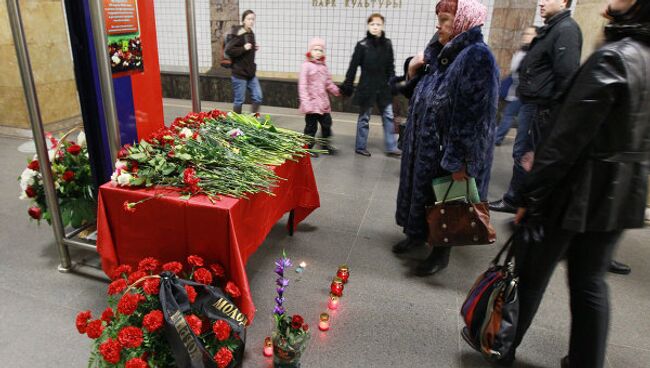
[
  {"x": 324, "y": 323},
  {"x": 343, "y": 273},
  {"x": 337, "y": 287},
  {"x": 268, "y": 347},
  {"x": 334, "y": 302}
]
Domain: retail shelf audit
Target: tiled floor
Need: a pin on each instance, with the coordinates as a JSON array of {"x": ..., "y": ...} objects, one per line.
[{"x": 387, "y": 318}]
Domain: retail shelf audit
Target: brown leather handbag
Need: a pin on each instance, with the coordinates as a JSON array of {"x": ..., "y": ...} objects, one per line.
[{"x": 457, "y": 223}]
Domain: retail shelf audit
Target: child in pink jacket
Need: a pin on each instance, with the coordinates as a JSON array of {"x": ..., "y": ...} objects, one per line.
[{"x": 313, "y": 86}]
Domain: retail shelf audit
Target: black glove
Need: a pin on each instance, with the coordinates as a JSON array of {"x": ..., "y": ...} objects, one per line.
[{"x": 346, "y": 89}]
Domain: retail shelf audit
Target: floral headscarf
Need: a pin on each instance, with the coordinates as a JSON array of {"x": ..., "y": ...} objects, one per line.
[{"x": 467, "y": 14}]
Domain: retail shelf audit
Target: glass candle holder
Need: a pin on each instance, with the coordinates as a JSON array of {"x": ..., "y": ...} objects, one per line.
[
  {"x": 268, "y": 347},
  {"x": 324, "y": 323},
  {"x": 337, "y": 287},
  {"x": 334, "y": 302},
  {"x": 343, "y": 273}
]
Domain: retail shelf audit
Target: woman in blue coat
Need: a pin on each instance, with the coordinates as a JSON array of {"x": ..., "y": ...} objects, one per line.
[{"x": 451, "y": 124}]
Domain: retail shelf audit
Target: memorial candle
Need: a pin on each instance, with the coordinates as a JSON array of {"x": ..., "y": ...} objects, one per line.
[
  {"x": 324, "y": 323},
  {"x": 268, "y": 347},
  {"x": 334, "y": 302},
  {"x": 343, "y": 273},
  {"x": 337, "y": 287}
]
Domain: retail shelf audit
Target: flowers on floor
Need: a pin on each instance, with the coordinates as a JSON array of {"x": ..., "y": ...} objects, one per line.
[
  {"x": 291, "y": 334},
  {"x": 211, "y": 153},
  {"x": 146, "y": 308},
  {"x": 72, "y": 180}
]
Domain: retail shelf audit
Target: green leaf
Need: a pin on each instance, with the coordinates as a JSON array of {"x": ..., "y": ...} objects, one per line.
[{"x": 140, "y": 157}]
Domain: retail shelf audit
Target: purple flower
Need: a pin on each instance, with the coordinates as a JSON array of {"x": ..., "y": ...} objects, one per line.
[
  {"x": 280, "y": 291},
  {"x": 282, "y": 282},
  {"x": 283, "y": 263},
  {"x": 279, "y": 300},
  {"x": 278, "y": 310}
]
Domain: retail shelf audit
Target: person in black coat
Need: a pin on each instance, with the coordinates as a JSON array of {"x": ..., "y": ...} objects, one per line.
[
  {"x": 374, "y": 54},
  {"x": 241, "y": 49},
  {"x": 544, "y": 75},
  {"x": 589, "y": 181}
]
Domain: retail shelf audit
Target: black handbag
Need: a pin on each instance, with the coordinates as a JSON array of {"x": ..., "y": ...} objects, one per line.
[{"x": 491, "y": 309}]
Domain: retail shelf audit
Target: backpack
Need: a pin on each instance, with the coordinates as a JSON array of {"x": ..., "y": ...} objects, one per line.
[{"x": 226, "y": 62}]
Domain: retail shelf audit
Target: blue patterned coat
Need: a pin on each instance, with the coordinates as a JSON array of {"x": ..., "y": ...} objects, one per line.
[{"x": 451, "y": 122}]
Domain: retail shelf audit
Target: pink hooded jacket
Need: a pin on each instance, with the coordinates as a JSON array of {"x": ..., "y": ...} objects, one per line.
[{"x": 314, "y": 84}]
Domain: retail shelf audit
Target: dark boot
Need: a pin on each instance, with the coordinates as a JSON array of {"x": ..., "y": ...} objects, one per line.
[
  {"x": 406, "y": 245},
  {"x": 255, "y": 108},
  {"x": 619, "y": 268},
  {"x": 435, "y": 262},
  {"x": 236, "y": 109},
  {"x": 564, "y": 363}
]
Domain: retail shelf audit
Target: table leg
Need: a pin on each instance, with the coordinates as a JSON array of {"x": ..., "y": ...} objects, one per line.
[{"x": 291, "y": 224}]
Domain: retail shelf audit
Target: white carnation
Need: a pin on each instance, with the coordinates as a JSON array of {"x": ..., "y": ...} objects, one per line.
[
  {"x": 81, "y": 139},
  {"x": 27, "y": 178},
  {"x": 124, "y": 179},
  {"x": 187, "y": 132},
  {"x": 121, "y": 165}
]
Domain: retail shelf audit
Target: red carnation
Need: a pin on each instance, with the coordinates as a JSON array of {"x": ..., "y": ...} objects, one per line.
[
  {"x": 107, "y": 315},
  {"x": 35, "y": 212},
  {"x": 136, "y": 363},
  {"x": 305, "y": 327},
  {"x": 175, "y": 267},
  {"x": 232, "y": 290},
  {"x": 129, "y": 303},
  {"x": 124, "y": 151},
  {"x": 68, "y": 176},
  {"x": 195, "y": 324},
  {"x": 203, "y": 276},
  {"x": 33, "y": 165},
  {"x": 30, "y": 192},
  {"x": 190, "y": 180},
  {"x": 128, "y": 206},
  {"x": 134, "y": 166},
  {"x": 110, "y": 350},
  {"x": 151, "y": 286},
  {"x": 137, "y": 275},
  {"x": 221, "y": 330},
  {"x": 121, "y": 270},
  {"x": 95, "y": 329},
  {"x": 117, "y": 287},
  {"x": 297, "y": 321},
  {"x": 217, "y": 270},
  {"x": 191, "y": 293},
  {"x": 223, "y": 357},
  {"x": 153, "y": 320},
  {"x": 74, "y": 149},
  {"x": 148, "y": 264},
  {"x": 130, "y": 337},
  {"x": 82, "y": 321},
  {"x": 195, "y": 261}
]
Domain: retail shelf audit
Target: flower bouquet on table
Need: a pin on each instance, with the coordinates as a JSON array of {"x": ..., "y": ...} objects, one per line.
[
  {"x": 291, "y": 334},
  {"x": 72, "y": 180},
  {"x": 161, "y": 320},
  {"x": 211, "y": 153}
]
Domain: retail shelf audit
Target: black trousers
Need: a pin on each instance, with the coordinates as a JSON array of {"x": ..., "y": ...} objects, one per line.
[
  {"x": 311, "y": 124},
  {"x": 588, "y": 255}
]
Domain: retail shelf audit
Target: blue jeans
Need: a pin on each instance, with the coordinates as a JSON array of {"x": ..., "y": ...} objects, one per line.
[
  {"x": 523, "y": 144},
  {"x": 509, "y": 113},
  {"x": 363, "y": 126},
  {"x": 239, "y": 87}
]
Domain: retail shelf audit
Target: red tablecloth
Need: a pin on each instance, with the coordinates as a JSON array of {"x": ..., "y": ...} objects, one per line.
[{"x": 170, "y": 228}]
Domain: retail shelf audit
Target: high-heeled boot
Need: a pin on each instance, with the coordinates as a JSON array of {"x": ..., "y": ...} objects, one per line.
[
  {"x": 236, "y": 109},
  {"x": 435, "y": 262}
]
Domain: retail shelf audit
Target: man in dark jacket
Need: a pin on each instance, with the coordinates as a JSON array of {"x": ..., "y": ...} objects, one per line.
[
  {"x": 589, "y": 181},
  {"x": 374, "y": 54},
  {"x": 544, "y": 75}
]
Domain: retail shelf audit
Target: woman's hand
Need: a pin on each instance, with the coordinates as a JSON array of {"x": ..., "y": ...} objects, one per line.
[
  {"x": 460, "y": 175},
  {"x": 416, "y": 63},
  {"x": 521, "y": 213}
]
